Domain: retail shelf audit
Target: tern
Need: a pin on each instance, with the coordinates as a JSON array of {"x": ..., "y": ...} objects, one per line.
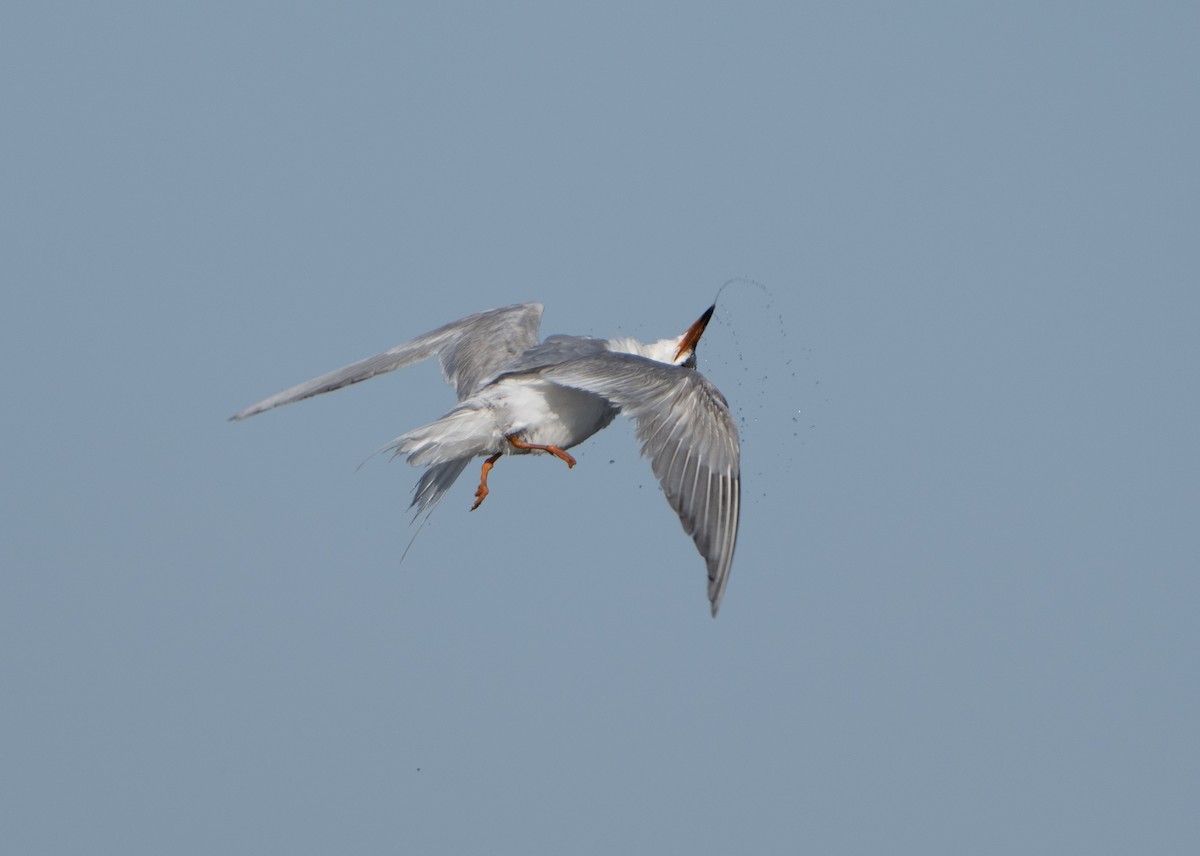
[{"x": 519, "y": 396}]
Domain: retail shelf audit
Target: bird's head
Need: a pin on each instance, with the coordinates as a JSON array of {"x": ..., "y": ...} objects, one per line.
[{"x": 676, "y": 351}]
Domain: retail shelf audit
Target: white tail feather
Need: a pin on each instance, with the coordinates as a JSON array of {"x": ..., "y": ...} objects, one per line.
[{"x": 464, "y": 432}]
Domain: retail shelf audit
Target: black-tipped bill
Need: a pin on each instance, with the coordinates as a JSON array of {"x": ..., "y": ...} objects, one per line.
[{"x": 693, "y": 334}]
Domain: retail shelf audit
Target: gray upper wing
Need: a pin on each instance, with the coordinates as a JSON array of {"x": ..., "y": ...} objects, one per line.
[
  {"x": 691, "y": 439},
  {"x": 555, "y": 351},
  {"x": 471, "y": 350}
]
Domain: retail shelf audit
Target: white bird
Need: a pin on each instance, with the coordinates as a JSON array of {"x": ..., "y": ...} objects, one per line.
[{"x": 517, "y": 396}]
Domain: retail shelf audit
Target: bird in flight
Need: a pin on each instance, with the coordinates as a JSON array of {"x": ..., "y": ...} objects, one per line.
[{"x": 518, "y": 396}]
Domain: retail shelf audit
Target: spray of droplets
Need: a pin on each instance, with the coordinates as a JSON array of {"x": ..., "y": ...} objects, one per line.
[{"x": 766, "y": 397}]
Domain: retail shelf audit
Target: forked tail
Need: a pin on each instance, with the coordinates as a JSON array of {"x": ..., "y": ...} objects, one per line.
[
  {"x": 430, "y": 489},
  {"x": 434, "y": 483}
]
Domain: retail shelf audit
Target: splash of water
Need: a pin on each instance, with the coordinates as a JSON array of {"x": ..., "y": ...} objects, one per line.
[
  {"x": 741, "y": 280},
  {"x": 765, "y": 402}
]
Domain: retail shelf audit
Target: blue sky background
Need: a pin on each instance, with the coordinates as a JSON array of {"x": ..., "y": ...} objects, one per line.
[{"x": 962, "y": 616}]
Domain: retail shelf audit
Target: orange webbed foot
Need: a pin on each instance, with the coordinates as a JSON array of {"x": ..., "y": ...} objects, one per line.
[
  {"x": 553, "y": 450},
  {"x": 482, "y": 491}
]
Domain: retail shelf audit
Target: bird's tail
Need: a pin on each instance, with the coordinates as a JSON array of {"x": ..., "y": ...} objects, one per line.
[
  {"x": 431, "y": 487},
  {"x": 463, "y": 433},
  {"x": 434, "y": 483}
]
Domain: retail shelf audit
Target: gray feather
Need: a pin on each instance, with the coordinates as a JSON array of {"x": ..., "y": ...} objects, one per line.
[
  {"x": 434, "y": 483},
  {"x": 471, "y": 350},
  {"x": 689, "y": 435}
]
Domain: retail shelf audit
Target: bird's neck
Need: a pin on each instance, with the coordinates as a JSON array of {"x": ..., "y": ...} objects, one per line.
[{"x": 663, "y": 350}]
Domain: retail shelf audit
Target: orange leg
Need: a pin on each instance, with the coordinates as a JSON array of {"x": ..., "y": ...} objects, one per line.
[
  {"x": 482, "y": 492},
  {"x": 553, "y": 450}
]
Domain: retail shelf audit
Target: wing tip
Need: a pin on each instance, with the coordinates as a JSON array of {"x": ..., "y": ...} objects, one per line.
[
  {"x": 245, "y": 414},
  {"x": 716, "y": 593}
]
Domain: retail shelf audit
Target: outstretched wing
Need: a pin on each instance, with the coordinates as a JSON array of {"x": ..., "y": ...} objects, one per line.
[
  {"x": 471, "y": 350},
  {"x": 689, "y": 435}
]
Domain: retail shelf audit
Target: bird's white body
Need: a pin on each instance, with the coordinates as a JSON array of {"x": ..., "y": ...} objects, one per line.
[
  {"x": 517, "y": 396},
  {"x": 541, "y": 412}
]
